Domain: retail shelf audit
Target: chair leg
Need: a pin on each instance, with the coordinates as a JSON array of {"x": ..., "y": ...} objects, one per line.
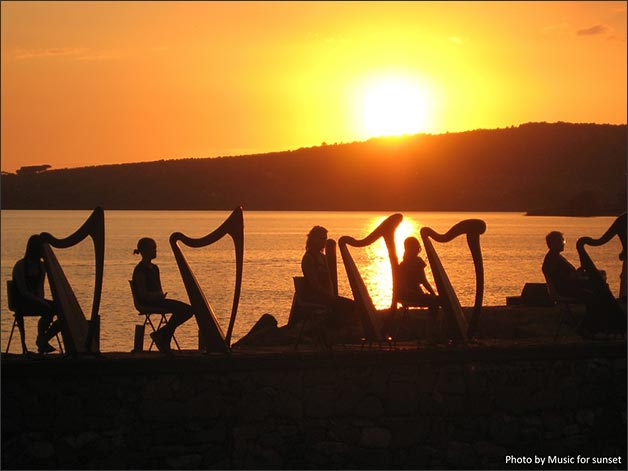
[
  {"x": 173, "y": 337},
  {"x": 20, "y": 325},
  {"x": 564, "y": 311},
  {"x": 59, "y": 343},
  {"x": 11, "y": 334},
  {"x": 560, "y": 323},
  {"x": 176, "y": 343},
  {"x": 306, "y": 318},
  {"x": 399, "y": 320},
  {"x": 162, "y": 323},
  {"x": 152, "y": 326}
]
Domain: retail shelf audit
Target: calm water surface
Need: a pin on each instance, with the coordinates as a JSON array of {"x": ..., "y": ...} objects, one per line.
[{"x": 513, "y": 248}]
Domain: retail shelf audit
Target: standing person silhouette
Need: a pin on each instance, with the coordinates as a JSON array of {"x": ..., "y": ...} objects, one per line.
[
  {"x": 147, "y": 286},
  {"x": 29, "y": 275}
]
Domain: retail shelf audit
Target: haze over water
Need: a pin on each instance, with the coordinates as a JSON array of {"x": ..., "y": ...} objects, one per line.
[{"x": 513, "y": 248}]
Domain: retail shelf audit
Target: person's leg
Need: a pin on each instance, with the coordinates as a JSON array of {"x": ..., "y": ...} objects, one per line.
[
  {"x": 44, "y": 325},
  {"x": 181, "y": 312}
]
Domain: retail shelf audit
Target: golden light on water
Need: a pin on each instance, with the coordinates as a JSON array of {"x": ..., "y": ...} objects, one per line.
[{"x": 377, "y": 274}]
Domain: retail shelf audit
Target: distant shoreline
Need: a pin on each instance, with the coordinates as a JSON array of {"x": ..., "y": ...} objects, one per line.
[{"x": 396, "y": 210}]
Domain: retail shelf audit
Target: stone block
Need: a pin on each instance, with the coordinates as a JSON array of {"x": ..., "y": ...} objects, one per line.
[
  {"x": 203, "y": 406},
  {"x": 467, "y": 429},
  {"x": 407, "y": 432},
  {"x": 553, "y": 422},
  {"x": 427, "y": 378},
  {"x": 369, "y": 406},
  {"x": 287, "y": 405},
  {"x": 402, "y": 399},
  {"x": 480, "y": 404},
  {"x": 451, "y": 380},
  {"x": 317, "y": 377},
  {"x": 190, "y": 461},
  {"x": 375, "y": 437},
  {"x": 503, "y": 430},
  {"x": 490, "y": 451},
  {"x": 332, "y": 452},
  {"x": 319, "y": 401},
  {"x": 158, "y": 388},
  {"x": 344, "y": 431},
  {"x": 477, "y": 381},
  {"x": 543, "y": 400},
  {"x": 570, "y": 398},
  {"x": 347, "y": 396},
  {"x": 163, "y": 411},
  {"x": 460, "y": 455},
  {"x": 510, "y": 400},
  {"x": 585, "y": 417},
  {"x": 404, "y": 374},
  {"x": 40, "y": 450},
  {"x": 255, "y": 406}
]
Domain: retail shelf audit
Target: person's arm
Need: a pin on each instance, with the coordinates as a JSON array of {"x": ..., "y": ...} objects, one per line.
[
  {"x": 19, "y": 278},
  {"x": 422, "y": 277},
  {"x": 141, "y": 286},
  {"x": 426, "y": 284}
]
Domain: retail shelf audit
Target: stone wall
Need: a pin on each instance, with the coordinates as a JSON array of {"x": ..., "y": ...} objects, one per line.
[{"x": 456, "y": 408}]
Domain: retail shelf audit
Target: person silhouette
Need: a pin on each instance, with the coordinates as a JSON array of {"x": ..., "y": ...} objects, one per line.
[
  {"x": 560, "y": 273},
  {"x": 413, "y": 287},
  {"x": 318, "y": 286},
  {"x": 413, "y": 284},
  {"x": 29, "y": 275},
  {"x": 147, "y": 286}
]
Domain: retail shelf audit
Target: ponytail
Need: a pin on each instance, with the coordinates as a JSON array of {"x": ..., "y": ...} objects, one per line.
[{"x": 143, "y": 244}]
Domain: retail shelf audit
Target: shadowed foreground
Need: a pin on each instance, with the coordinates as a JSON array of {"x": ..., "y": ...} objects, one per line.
[{"x": 442, "y": 407}]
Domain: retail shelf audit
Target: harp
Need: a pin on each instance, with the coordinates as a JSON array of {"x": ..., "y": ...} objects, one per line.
[
  {"x": 610, "y": 315},
  {"x": 366, "y": 309},
  {"x": 211, "y": 334},
  {"x": 452, "y": 310},
  {"x": 79, "y": 335}
]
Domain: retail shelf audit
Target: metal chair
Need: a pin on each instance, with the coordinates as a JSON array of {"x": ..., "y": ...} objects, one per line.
[
  {"x": 148, "y": 311},
  {"x": 406, "y": 307},
  {"x": 13, "y": 297},
  {"x": 564, "y": 303}
]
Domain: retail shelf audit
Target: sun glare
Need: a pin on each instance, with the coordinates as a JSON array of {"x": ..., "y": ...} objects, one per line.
[
  {"x": 394, "y": 106},
  {"x": 377, "y": 273}
]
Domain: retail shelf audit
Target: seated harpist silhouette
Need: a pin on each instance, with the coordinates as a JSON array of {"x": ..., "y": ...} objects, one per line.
[
  {"x": 148, "y": 290},
  {"x": 29, "y": 275},
  {"x": 413, "y": 288},
  {"x": 562, "y": 277},
  {"x": 318, "y": 287}
]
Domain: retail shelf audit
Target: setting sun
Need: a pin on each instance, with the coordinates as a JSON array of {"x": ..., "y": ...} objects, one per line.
[{"x": 394, "y": 106}]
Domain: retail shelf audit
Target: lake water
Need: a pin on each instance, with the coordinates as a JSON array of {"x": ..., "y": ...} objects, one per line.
[{"x": 513, "y": 248}]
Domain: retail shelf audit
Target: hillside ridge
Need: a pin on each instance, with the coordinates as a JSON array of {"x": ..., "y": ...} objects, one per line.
[{"x": 542, "y": 168}]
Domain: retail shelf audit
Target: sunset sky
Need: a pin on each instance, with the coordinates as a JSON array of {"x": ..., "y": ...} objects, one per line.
[{"x": 89, "y": 83}]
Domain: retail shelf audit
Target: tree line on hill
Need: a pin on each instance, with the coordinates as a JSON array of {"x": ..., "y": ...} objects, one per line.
[{"x": 541, "y": 168}]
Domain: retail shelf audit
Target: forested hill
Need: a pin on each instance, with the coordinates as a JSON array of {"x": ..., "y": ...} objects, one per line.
[{"x": 558, "y": 168}]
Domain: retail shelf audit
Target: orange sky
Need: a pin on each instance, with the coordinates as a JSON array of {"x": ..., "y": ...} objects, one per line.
[{"x": 88, "y": 83}]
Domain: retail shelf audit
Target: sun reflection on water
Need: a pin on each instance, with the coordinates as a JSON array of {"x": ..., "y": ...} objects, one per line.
[{"x": 376, "y": 264}]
